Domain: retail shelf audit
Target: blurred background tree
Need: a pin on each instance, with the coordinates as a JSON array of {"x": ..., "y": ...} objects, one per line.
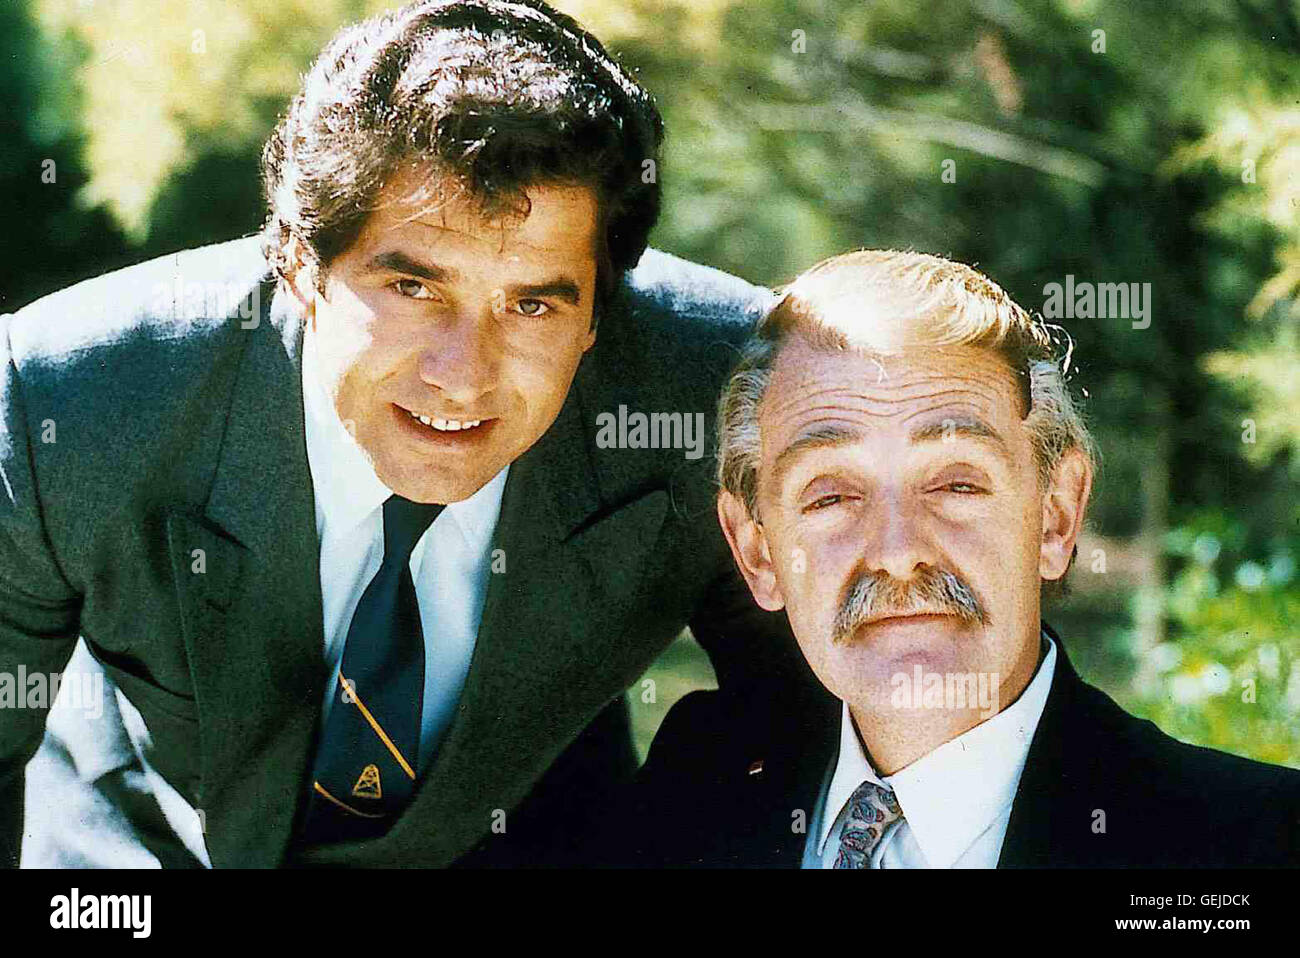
[{"x": 1110, "y": 140}]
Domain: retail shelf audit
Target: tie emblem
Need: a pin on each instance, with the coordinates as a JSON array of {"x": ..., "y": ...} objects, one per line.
[{"x": 368, "y": 783}]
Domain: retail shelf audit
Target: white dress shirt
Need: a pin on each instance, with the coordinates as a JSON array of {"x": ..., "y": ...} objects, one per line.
[
  {"x": 956, "y": 800},
  {"x": 450, "y": 564}
]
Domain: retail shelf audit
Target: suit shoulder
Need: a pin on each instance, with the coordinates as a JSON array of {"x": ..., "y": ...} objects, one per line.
[
  {"x": 677, "y": 289},
  {"x": 698, "y": 730},
  {"x": 674, "y": 310},
  {"x": 126, "y": 382},
  {"x": 673, "y": 332},
  {"x": 711, "y": 707},
  {"x": 1168, "y": 770},
  {"x": 718, "y": 729},
  {"x": 136, "y": 345},
  {"x": 167, "y": 298}
]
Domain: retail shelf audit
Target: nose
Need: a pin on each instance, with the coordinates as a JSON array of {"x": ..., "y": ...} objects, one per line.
[
  {"x": 895, "y": 538},
  {"x": 462, "y": 358}
]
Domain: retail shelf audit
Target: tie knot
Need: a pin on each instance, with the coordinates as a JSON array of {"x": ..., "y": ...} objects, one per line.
[
  {"x": 404, "y": 523},
  {"x": 871, "y": 804}
]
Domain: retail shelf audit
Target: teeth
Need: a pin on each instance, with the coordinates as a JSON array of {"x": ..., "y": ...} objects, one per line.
[{"x": 446, "y": 425}]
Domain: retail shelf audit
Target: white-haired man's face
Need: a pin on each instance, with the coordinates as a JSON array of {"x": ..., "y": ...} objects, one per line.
[{"x": 901, "y": 520}]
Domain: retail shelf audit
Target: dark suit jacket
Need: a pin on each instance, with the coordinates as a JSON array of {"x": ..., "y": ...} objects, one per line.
[
  {"x": 176, "y": 428},
  {"x": 724, "y": 778}
]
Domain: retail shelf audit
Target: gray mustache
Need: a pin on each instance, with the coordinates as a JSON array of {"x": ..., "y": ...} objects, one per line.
[{"x": 929, "y": 592}]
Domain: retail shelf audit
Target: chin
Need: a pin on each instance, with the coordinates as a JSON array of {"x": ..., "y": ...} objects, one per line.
[
  {"x": 427, "y": 487},
  {"x": 424, "y": 480}
]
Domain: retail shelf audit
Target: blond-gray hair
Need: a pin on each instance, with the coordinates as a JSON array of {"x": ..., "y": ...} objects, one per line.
[{"x": 944, "y": 303}]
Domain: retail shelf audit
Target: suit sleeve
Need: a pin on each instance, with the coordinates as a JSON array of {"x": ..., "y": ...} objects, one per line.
[
  {"x": 654, "y": 821},
  {"x": 752, "y": 651},
  {"x": 39, "y": 610}
]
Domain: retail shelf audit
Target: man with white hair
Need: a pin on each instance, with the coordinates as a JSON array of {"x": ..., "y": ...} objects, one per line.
[{"x": 904, "y": 472}]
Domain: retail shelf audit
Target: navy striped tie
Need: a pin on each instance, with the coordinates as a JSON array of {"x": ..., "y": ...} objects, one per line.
[{"x": 366, "y": 760}]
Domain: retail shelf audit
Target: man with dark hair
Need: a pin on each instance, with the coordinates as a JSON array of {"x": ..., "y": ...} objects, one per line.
[
  {"x": 484, "y": 99},
  {"x": 328, "y": 510}
]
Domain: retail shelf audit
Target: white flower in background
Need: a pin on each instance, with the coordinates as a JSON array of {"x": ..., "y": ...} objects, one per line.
[
  {"x": 1250, "y": 576},
  {"x": 1270, "y": 661},
  {"x": 1282, "y": 569},
  {"x": 1293, "y": 688},
  {"x": 1206, "y": 548},
  {"x": 1165, "y": 656},
  {"x": 1216, "y": 678},
  {"x": 1186, "y": 689}
]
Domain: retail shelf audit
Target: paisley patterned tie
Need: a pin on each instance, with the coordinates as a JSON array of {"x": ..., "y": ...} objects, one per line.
[{"x": 872, "y": 809}]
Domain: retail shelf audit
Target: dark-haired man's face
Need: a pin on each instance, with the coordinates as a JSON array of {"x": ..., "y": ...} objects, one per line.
[
  {"x": 476, "y": 326},
  {"x": 902, "y": 520}
]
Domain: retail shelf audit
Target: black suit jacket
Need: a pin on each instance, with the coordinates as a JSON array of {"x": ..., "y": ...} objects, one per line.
[
  {"x": 725, "y": 779},
  {"x": 178, "y": 426}
]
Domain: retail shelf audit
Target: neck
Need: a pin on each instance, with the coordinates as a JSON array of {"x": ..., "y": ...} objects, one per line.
[{"x": 895, "y": 737}]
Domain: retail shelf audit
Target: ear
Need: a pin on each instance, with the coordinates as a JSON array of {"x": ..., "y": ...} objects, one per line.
[
  {"x": 1064, "y": 504},
  {"x": 590, "y": 340},
  {"x": 301, "y": 280},
  {"x": 749, "y": 549}
]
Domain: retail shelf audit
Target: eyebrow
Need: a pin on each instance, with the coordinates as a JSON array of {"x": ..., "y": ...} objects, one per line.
[
  {"x": 832, "y": 436},
  {"x": 819, "y": 437},
  {"x": 401, "y": 263},
  {"x": 970, "y": 427},
  {"x": 561, "y": 288}
]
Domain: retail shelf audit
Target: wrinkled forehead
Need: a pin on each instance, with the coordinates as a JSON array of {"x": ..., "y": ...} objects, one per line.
[{"x": 886, "y": 392}]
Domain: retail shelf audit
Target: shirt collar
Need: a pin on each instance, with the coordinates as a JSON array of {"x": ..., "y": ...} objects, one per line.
[
  {"x": 954, "y": 793},
  {"x": 476, "y": 517},
  {"x": 346, "y": 486}
]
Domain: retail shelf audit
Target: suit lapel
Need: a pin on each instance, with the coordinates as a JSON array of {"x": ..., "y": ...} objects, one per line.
[
  {"x": 777, "y": 780},
  {"x": 781, "y": 769},
  {"x": 551, "y": 650},
  {"x": 252, "y": 619},
  {"x": 549, "y": 655},
  {"x": 1049, "y": 823}
]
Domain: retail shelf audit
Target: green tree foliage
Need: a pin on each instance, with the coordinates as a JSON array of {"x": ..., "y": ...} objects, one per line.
[
  {"x": 52, "y": 238},
  {"x": 1135, "y": 141}
]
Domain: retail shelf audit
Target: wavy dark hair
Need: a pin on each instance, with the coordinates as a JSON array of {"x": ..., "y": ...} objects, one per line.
[{"x": 491, "y": 98}]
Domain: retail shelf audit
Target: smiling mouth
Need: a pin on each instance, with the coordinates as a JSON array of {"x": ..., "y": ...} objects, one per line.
[
  {"x": 446, "y": 435},
  {"x": 446, "y": 425}
]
